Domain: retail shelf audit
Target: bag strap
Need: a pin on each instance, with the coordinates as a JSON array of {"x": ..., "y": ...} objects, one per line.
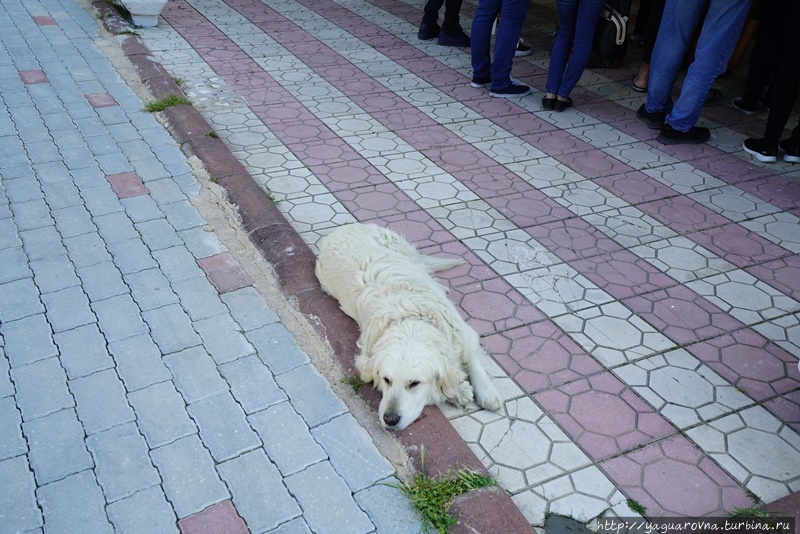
[{"x": 619, "y": 22}]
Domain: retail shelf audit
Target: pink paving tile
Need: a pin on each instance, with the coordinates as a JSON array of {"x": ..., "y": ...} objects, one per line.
[
  {"x": 375, "y": 201},
  {"x": 590, "y": 163},
  {"x": 493, "y": 306},
  {"x": 101, "y": 100},
  {"x": 777, "y": 191},
  {"x": 682, "y": 315},
  {"x": 673, "y": 478},
  {"x": 337, "y": 176},
  {"x": 424, "y": 138},
  {"x": 216, "y": 519},
  {"x": 44, "y": 21},
  {"x": 328, "y": 152},
  {"x": 224, "y": 272},
  {"x": 473, "y": 269},
  {"x": 417, "y": 227},
  {"x": 782, "y": 274},
  {"x": 461, "y": 157},
  {"x": 529, "y": 208},
  {"x": 127, "y": 184},
  {"x": 29, "y": 77},
  {"x": 738, "y": 245},
  {"x": 603, "y": 415},
  {"x": 573, "y": 239},
  {"x": 540, "y": 356},
  {"x": 787, "y": 409},
  {"x": 622, "y": 274},
  {"x": 682, "y": 214},
  {"x": 572, "y": 152},
  {"x": 634, "y": 187},
  {"x": 750, "y": 362},
  {"x": 729, "y": 168}
]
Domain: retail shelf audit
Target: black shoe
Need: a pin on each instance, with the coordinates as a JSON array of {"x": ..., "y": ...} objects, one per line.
[
  {"x": 480, "y": 82},
  {"x": 455, "y": 37},
  {"x": 742, "y": 106},
  {"x": 522, "y": 49},
  {"x": 513, "y": 89},
  {"x": 759, "y": 150},
  {"x": 548, "y": 104},
  {"x": 694, "y": 136},
  {"x": 791, "y": 151},
  {"x": 428, "y": 31},
  {"x": 652, "y": 119},
  {"x": 561, "y": 105}
]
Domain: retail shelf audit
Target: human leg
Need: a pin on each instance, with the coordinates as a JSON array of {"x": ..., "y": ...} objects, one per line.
[
  {"x": 559, "y": 55},
  {"x": 452, "y": 34},
  {"x": 772, "y": 24},
  {"x": 585, "y": 24},
  {"x": 429, "y": 28},
  {"x": 481, "y": 35},
  {"x": 512, "y": 16},
  {"x": 720, "y": 31}
]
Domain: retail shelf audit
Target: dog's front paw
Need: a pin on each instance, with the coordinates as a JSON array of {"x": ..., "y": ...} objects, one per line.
[
  {"x": 489, "y": 400},
  {"x": 462, "y": 395}
]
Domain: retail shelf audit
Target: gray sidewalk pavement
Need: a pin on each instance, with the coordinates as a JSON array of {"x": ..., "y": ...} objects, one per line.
[{"x": 148, "y": 380}]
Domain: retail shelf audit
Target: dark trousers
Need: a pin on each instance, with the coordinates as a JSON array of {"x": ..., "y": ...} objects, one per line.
[
  {"x": 773, "y": 26},
  {"x": 451, "y": 12},
  {"x": 786, "y": 80}
]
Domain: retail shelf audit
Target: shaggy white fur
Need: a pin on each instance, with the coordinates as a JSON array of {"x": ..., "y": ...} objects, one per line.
[{"x": 414, "y": 346}]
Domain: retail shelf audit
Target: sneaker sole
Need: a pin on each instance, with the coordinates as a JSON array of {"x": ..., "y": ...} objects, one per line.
[
  {"x": 791, "y": 159},
  {"x": 508, "y": 95},
  {"x": 477, "y": 85},
  {"x": 759, "y": 156},
  {"x": 523, "y": 53},
  {"x": 672, "y": 141}
]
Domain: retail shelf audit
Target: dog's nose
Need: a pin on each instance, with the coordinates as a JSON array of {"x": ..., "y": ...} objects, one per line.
[{"x": 391, "y": 419}]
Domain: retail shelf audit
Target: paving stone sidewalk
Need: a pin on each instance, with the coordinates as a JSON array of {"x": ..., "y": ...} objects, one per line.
[{"x": 146, "y": 385}]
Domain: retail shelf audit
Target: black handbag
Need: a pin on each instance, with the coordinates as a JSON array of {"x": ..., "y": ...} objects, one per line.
[{"x": 610, "y": 39}]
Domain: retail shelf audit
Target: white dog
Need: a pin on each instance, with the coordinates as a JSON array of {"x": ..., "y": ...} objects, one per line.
[{"x": 414, "y": 346}]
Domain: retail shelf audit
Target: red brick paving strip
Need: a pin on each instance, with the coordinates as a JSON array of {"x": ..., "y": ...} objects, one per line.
[
  {"x": 220, "y": 518},
  {"x": 127, "y": 184}
]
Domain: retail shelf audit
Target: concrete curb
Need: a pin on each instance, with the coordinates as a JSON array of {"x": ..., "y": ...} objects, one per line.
[{"x": 293, "y": 261}]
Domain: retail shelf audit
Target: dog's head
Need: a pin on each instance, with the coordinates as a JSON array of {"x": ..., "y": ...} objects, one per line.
[{"x": 411, "y": 367}]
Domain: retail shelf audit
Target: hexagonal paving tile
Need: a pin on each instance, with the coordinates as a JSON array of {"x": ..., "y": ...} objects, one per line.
[
  {"x": 468, "y": 219},
  {"x": 622, "y": 274},
  {"x": 780, "y": 228},
  {"x": 682, "y": 259},
  {"x": 738, "y": 245},
  {"x": 756, "y": 448},
  {"x": 558, "y": 289},
  {"x": 510, "y": 252},
  {"x": 493, "y": 306},
  {"x": 629, "y": 226},
  {"x": 583, "y": 198},
  {"x": 436, "y": 190},
  {"x": 683, "y": 178},
  {"x": 613, "y": 334},
  {"x": 681, "y": 388},
  {"x": 735, "y": 204}
]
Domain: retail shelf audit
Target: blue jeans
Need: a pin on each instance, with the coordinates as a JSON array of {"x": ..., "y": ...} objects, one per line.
[
  {"x": 577, "y": 20},
  {"x": 512, "y": 16},
  {"x": 721, "y": 28}
]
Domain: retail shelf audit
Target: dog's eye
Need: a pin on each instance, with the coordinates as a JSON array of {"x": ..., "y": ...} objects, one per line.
[
  {"x": 413, "y": 384},
  {"x": 388, "y": 382}
]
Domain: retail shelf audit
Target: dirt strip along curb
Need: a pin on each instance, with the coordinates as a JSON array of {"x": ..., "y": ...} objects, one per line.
[{"x": 488, "y": 511}]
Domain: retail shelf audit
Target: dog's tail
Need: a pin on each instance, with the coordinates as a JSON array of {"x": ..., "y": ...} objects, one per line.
[{"x": 433, "y": 264}]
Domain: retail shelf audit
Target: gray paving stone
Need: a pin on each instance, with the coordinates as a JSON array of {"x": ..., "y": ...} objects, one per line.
[
  {"x": 83, "y": 351},
  {"x": 287, "y": 438},
  {"x": 67, "y": 309},
  {"x": 328, "y": 505},
  {"x": 161, "y": 414},
  {"x": 100, "y": 199},
  {"x": 177, "y": 263},
  {"x": 28, "y": 339},
  {"x": 101, "y": 401},
  {"x": 295, "y": 526},
  {"x": 131, "y": 256},
  {"x": 57, "y": 447},
  {"x": 182, "y": 215},
  {"x": 138, "y": 362},
  {"x": 158, "y": 234},
  {"x": 8, "y": 233},
  {"x": 389, "y": 509},
  {"x": 199, "y": 298},
  {"x": 251, "y": 383},
  {"x": 258, "y": 491},
  {"x": 6, "y": 387},
  {"x": 15, "y": 264},
  {"x": 311, "y": 395},
  {"x": 171, "y": 328},
  {"x": 165, "y": 191},
  {"x": 86, "y": 249},
  {"x": 20, "y": 299},
  {"x": 196, "y": 374},
  {"x": 122, "y": 462},
  {"x": 190, "y": 480},
  {"x": 352, "y": 452},
  {"x": 115, "y": 227},
  {"x": 73, "y": 221},
  {"x": 44, "y": 242},
  {"x": 102, "y": 280},
  {"x": 119, "y": 318},
  {"x": 41, "y": 388},
  {"x": 151, "y": 289},
  {"x": 223, "y": 339},
  {"x": 62, "y": 195},
  {"x": 113, "y": 163},
  {"x": 75, "y": 500},
  {"x": 31, "y": 214},
  {"x": 142, "y": 208},
  {"x": 223, "y": 426},
  {"x": 144, "y": 511},
  {"x": 24, "y": 188},
  {"x": 54, "y": 273},
  {"x": 249, "y": 308},
  {"x": 277, "y": 348},
  {"x": 11, "y": 441},
  {"x": 19, "y": 511}
]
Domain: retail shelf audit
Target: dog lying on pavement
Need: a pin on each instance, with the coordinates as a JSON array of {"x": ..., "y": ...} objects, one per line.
[{"x": 414, "y": 346}]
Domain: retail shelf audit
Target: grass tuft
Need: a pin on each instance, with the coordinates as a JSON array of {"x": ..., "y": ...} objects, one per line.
[
  {"x": 164, "y": 103},
  {"x": 636, "y": 506}
]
